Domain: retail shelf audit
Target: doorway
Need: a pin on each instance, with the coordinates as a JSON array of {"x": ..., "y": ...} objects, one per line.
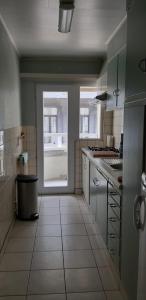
[{"x": 57, "y": 129}]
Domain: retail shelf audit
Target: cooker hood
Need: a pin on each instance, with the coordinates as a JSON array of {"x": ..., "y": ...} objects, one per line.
[{"x": 102, "y": 96}]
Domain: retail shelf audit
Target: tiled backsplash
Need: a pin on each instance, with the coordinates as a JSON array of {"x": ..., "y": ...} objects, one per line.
[
  {"x": 29, "y": 145},
  {"x": 79, "y": 144},
  {"x": 12, "y": 149},
  {"x": 118, "y": 118}
]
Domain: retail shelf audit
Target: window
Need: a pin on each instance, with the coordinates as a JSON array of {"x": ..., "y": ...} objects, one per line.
[
  {"x": 50, "y": 124},
  {"x": 50, "y": 119},
  {"x": 90, "y": 114},
  {"x": 84, "y": 120}
]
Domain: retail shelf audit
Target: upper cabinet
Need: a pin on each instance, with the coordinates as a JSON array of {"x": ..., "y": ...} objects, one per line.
[
  {"x": 136, "y": 50},
  {"x": 116, "y": 81}
]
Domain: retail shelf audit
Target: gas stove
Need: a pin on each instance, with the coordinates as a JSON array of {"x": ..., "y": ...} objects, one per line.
[{"x": 103, "y": 149}]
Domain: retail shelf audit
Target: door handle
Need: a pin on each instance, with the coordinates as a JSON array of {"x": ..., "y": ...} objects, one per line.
[{"x": 139, "y": 201}]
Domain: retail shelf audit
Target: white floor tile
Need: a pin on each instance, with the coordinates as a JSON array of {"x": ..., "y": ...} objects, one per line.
[
  {"x": 116, "y": 295},
  {"x": 46, "y": 281},
  {"x": 47, "y": 260},
  {"x": 102, "y": 257},
  {"x": 70, "y": 210},
  {"x": 47, "y": 297},
  {"x": 48, "y": 230},
  {"x": 79, "y": 259},
  {"x": 76, "y": 243},
  {"x": 74, "y": 229},
  {"x": 20, "y": 245},
  {"x": 87, "y": 296},
  {"x": 49, "y": 211},
  {"x": 71, "y": 219},
  {"x": 13, "y": 298},
  {"x": 49, "y": 220},
  {"x": 15, "y": 262},
  {"x": 97, "y": 242},
  {"x": 82, "y": 280},
  {"x": 22, "y": 231},
  {"x": 108, "y": 279},
  {"x": 13, "y": 283},
  {"x": 48, "y": 243}
]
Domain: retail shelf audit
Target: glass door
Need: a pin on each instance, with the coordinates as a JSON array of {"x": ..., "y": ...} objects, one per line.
[{"x": 55, "y": 136}]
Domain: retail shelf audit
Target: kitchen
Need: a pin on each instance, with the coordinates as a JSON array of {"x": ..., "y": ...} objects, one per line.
[{"x": 53, "y": 81}]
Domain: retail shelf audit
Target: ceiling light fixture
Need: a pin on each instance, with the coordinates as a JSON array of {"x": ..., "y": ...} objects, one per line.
[{"x": 66, "y": 10}]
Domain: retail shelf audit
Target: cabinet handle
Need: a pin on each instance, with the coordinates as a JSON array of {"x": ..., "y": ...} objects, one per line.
[
  {"x": 96, "y": 182},
  {"x": 113, "y": 220},
  {"x": 113, "y": 194},
  {"x": 112, "y": 236},
  {"x": 142, "y": 65},
  {"x": 112, "y": 205},
  {"x": 116, "y": 92},
  {"x": 139, "y": 224},
  {"x": 112, "y": 251}
]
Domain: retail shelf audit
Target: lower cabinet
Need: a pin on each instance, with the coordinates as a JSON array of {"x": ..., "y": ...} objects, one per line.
[
  {"x": 98, "y": 200},
  {"x": 105, "y": 205},
  {"x": 114, "y": 226},
  {"x": 85, "y": 177}
]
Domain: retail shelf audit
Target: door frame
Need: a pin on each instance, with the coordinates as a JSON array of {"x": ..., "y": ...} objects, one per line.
[{"x": 73, "y": 134}]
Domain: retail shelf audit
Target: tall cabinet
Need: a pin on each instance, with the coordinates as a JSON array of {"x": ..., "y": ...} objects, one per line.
[
  {"x": 136, "y": 50},
  {"x": 116, "y": 81}
]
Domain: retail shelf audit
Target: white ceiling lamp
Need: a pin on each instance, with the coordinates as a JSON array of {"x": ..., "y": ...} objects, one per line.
[{"x": 66, "y": 10}]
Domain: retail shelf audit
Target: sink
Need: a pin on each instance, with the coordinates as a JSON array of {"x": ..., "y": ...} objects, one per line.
[{"x": 115, "y": 164}]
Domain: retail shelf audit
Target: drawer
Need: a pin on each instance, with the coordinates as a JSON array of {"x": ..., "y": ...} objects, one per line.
[
  {"x": 114, "y": 206},
  {"x": 116, "y": 260},
  {"x": 114, "y": 196},
  {"x": 113, "y": 221},
  {"x": 113, "y": 244}
]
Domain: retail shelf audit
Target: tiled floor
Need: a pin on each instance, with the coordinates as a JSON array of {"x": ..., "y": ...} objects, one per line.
[{"x": 57, "y": 257}]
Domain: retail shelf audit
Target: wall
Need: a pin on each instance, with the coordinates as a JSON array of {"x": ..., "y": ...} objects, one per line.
[
  {"x": 10, "y": 124},
  {"x": 118, "y": 41},
  {"x": 118, "y": 119},
  {"x": 79, "y": 144}
]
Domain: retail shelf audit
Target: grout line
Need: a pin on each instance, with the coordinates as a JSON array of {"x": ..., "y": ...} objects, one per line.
[
  {"x": 63, "y": 254},
  {"x": 32, "y": 252}
]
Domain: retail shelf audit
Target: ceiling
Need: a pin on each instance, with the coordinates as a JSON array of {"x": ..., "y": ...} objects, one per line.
[{"x": 33, "y": 25}]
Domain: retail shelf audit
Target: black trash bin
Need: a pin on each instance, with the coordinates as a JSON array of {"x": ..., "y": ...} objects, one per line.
[{"x": 27, "y": 203}]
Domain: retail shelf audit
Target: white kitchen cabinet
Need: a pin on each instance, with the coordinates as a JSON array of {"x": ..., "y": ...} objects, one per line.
[{"x": 85, "y": 177}]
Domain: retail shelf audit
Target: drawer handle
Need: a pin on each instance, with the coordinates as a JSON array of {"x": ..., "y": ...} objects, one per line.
[
  {"x": 96, "y": 182},
  {"x": 112, "y": 205},
  {"x": 113, "y": 193},
  {"x": 113, "y": 220},
  {"x": 112, "y": 236},
  {"x": 112, "y": 251}
]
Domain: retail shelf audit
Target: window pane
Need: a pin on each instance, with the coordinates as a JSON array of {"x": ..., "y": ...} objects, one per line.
[
  {"x": 53, "y": 125},
  {"x": 90, "y": 114},
  {"x": 46, "y": 124}
]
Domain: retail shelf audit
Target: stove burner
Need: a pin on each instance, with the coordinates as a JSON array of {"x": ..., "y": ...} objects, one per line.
[{"x": 103, "y": 149}]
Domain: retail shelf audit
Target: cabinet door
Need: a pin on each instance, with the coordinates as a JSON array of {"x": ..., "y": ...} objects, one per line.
[
  {"x": 101, "y": 206},
  {"x": 136, "y": 50},
  {"x": 112, "y": 70},
  {"x": 85, "y": 177},
  {"x": 132, "y": 169},
  {"x": 93, "y": 191},
  {"x": 121, "y": 78}
]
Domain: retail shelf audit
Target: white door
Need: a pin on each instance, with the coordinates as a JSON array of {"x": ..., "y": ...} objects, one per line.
[{"x": 57, "y": 130}]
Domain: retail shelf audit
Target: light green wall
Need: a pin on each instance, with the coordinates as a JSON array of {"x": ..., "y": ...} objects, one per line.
[{"x": 9, "y": 83}]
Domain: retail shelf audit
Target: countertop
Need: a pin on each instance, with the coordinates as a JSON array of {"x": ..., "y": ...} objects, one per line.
[{"x": 111, "y": 175}]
